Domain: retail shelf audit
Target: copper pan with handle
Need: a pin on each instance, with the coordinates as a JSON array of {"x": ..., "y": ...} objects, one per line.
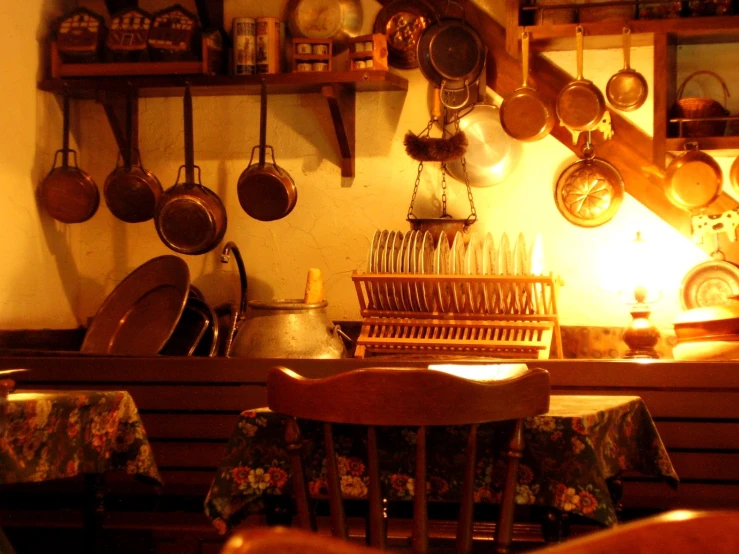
[
  {"x": 580, "y": 104},
  {"x": 190, "y": 218},
  {"x": 693, "y": 180},
  {"x": 131, "y": 192},
  {"x": 67, "y": 193},
  {"x": 525, "y": 115},
  {"x": 627, "y": 89},
  {"x": 266, "y": 191}
]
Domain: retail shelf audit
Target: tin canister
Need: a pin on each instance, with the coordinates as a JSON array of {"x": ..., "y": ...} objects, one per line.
[
  {"x": 244, "y": 36},
  {"x": 269, "y": 45}
]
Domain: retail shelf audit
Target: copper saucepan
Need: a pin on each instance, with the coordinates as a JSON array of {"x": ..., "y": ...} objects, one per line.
[
  {"x": 693, "y": 179},
  {"x": 627, "y": 89},
  {"x": 525, "y": 115},
  {"x": 734, "y": 175},
  {"x": 131, "y": 192},
  {"x": 190, "y": 218},
  {"x": 69, "y": 194},
  {"x": 580, "y": 104},
  {"x": 266, "y": 191}
]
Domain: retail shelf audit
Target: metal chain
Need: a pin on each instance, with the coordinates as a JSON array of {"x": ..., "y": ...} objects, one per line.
[
  {"x": 411, "y": 215},
  {"x": 443, "y": 190},
  {"x": 473, "y": 212}
]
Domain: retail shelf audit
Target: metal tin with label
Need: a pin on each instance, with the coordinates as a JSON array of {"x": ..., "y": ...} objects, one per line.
[
  {"x": 268, "y": 45},
  {"x": 244, "y": 46}
]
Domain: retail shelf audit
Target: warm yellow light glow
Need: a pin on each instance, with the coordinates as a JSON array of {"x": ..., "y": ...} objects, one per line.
[
  {"x": 634, "y": 266},
  {"x": 487, "y": 372}
]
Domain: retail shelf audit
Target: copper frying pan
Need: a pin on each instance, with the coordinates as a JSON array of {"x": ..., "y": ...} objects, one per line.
[
  {"x": 524, "y": 114},
  {"x": 69, "y": 194},
  {"x": 580, "y": 104},
  {"x": 734, "y": 175},
  {"x": 190, "y": 218},
  {"x": 627, "y": 90},
  {"x": 131, "y": 193},
  {"x": 693, "y": 179}
]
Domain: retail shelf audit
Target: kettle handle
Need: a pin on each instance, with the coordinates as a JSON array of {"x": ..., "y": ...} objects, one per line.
[{"x": 339, "y": 333}]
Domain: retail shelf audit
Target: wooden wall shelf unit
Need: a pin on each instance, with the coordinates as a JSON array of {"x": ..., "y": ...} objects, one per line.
[
  {"x": 665, "y": 35},
  {"x": 338, "y": 87}
]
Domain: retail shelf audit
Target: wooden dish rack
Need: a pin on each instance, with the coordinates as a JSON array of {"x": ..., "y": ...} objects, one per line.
[{"x": 522, "y": 321}]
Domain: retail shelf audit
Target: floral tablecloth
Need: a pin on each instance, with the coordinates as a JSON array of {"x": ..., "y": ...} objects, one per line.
[
  {"x": 57, "y": 434},
  {"x": 570, "y": 452}
]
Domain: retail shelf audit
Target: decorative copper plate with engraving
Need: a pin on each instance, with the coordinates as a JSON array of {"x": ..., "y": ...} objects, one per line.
[
  {"x": 403, "y": 22},
  {"x": 589, "y": 192}
]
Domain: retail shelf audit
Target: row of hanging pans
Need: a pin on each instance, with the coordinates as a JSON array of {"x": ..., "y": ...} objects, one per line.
[{"x": 189, "y": 217}]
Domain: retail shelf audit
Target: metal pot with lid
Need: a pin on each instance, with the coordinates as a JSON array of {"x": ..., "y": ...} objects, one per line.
[{"x": 288, "y": 328}]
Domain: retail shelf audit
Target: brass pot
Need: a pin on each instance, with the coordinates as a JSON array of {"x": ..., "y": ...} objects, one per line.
[{"x": 709, "y": 323}]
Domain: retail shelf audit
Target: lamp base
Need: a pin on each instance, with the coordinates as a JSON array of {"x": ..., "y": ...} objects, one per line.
[{"x": 642, "y": 336}]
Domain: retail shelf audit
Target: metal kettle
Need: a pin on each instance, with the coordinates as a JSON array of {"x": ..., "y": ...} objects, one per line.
[{"x": 288, "y": 329}]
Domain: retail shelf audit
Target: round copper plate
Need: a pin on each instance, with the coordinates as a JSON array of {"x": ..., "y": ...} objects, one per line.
[
  {"x": 589, "y": 192},
  {"x": 140, "y": 314},
  {"x": 711, "y": 283},
  {"x": 403, "y": 22}
]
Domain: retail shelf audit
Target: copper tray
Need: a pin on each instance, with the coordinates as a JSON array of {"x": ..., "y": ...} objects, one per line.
[
  {"x": 403, "y": 22},
  {"x": 710, "y": 283},
  {"x": 140, "y": 314}
]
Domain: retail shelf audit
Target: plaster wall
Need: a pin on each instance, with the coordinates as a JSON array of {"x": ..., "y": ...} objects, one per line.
[
  {"x": 334, "y": 219},
  {"x": 39, "y": 273}
]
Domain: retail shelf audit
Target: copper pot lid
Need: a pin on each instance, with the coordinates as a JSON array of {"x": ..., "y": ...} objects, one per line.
[{"x": 589, "y": 192}]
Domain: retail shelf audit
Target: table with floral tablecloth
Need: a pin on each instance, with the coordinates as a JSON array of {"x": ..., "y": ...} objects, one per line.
[
  {"x": 570, "y": 454},
  {"x": 57, "y": 434}
]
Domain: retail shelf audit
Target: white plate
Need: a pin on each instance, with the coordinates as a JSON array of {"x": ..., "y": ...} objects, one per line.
[
  {"x": 400, "y": 289},
  {"x": 409, "y": 256},
  {"x": 391, "y": 255},
  {"x": 504, "y": 270},
  {"x": 426, "y": 267},
  {"x": 441, "y": 267},
  {"x": 459, "y": 290},
  {"x": 490, "y": 267},
  {"x": 378, "y": 260},
  {"x": 536, "y": 267},
  {"x": 473, "y": 266},
  {"x": 372, "y": 296}
]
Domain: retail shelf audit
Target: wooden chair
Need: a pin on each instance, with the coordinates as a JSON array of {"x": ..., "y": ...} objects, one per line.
[
  {"x": 413, "y": 397},
  {"x": 677, "y": 532}
]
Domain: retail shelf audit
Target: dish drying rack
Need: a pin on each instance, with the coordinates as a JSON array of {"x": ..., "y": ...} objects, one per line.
[{"x": 518, "y": 318}]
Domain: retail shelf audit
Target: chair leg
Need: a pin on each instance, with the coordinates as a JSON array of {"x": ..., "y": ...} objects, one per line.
[{"x": 504, "y": 529}]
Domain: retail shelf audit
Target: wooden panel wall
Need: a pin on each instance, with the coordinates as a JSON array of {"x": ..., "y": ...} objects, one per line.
[{"x": 189, "y": 406}]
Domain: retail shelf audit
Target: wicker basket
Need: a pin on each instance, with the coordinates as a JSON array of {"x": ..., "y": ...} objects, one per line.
[{"x": 701, "y": 108}]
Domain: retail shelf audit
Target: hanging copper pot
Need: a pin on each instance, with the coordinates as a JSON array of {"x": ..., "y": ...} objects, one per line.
[
  {"x": 69, "y": 194},
  {"x": 693, "y": 179}
]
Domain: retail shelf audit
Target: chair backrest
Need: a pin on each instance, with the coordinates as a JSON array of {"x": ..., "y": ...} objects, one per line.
[
  {"x": 676, "y": 532},
  {"x": 405, "y": 397}
]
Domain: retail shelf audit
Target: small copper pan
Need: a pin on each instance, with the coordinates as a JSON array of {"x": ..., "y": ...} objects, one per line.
[
  {"x": 734, "y": 175},
  {"x": 693, "y": 179},
  {"x": 580, "y": 105},
  {"x": 627, "y": 90},
  {"x": 525, "y": 115}
]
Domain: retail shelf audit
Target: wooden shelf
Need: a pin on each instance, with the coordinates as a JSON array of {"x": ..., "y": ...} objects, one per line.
[
  {"x": 607, "y": 34},
  {"x": 677, "y": 144},
  {"x": 338, "y": 87}
]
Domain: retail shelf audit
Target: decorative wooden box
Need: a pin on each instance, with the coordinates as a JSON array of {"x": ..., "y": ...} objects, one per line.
[
  {"x": 311, "y": 54},
  {"x": 175, "y": 34},
  {"x": 80, "y": 35},
  {"x": 128, "y": 38},
  {"x": 368, "y": 52}
]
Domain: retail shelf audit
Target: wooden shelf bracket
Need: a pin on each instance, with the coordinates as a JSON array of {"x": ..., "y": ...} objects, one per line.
[
  {"x": 115, "y": 105},
  {"x": 341, "y": 104}
]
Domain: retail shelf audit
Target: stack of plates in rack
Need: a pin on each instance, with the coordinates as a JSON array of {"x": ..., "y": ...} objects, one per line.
[{"x": 414, "y": 252}]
